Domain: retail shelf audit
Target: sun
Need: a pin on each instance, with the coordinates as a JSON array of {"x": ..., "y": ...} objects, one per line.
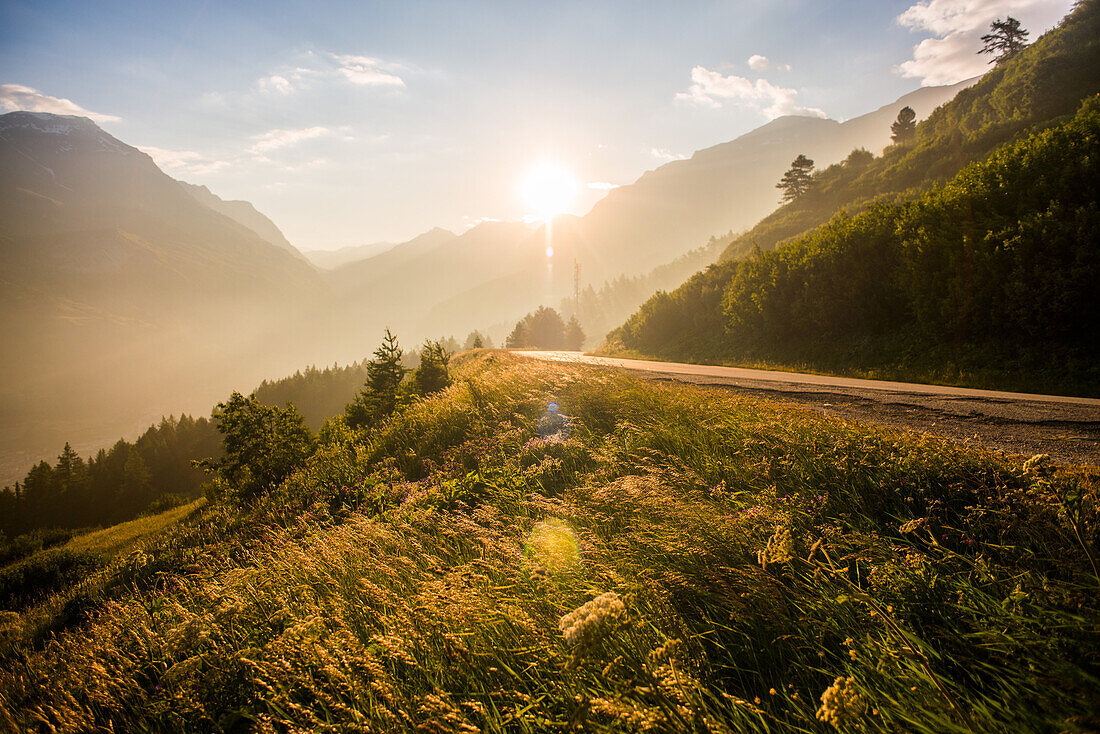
[{"x": 548, "y": 189}]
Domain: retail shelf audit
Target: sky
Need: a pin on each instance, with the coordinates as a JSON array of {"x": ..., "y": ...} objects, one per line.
[{"x": 357, "y": 122}]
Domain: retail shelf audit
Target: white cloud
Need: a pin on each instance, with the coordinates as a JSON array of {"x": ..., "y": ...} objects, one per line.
[
  {"x": 666, "y": 155},
  {"x": 275, "y": 139},
  {"x": 18, "y": 97},
  {"x": 957, "y": 26},
  {"x": 276, "y": 84},
  {"x": 327, "y": 68},
  {"x": 182, "y": 161},
  {"x": 945, "y": 60},
  {"x": 758, "y": 62},
  {"x": 943, "y": 17},
  {"x": 367, "y": 71},
  {"x": 602, "y": 186},
  {"x": 711, "y": 88}
]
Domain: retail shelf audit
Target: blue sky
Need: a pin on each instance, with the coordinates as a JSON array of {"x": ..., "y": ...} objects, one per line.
[{"x": 354, "y": 122}]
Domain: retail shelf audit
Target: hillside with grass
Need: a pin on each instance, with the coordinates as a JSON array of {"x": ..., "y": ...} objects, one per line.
[{"x": 548, "y": 547}]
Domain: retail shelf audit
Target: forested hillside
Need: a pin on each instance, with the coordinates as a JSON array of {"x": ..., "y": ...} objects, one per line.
[
  {"x": 984, "y": 280},
  {"x": 1042, "y": 83},
  {"x": 114, "y": 485},
  {"x": 992, "y": 276},
  {"x": 119, "y": 483}
]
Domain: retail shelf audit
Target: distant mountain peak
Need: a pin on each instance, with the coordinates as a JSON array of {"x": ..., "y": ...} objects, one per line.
[
  {"x": 46, "y": 122},
  {"x": 72, "y": 126}
]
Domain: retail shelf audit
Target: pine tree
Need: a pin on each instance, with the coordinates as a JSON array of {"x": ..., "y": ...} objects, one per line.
[
  {"x": 378, "y": 398},
  {"x": 905, "y": 126},
  {"x": 1005, "y": 39},
  {"x": 796, "y": 181},
  {"x": 431, "y": 374}
]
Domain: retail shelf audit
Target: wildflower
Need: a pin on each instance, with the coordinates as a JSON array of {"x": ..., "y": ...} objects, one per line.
[
  {"x": 666, "y": 651},
  {"x": 591, "y": 620},
  {"x": 780, "y": 548},
  {"x": 913, "y": 525},
  {"x": 1036, "y": 461},
  {"x": 539, "y": 575},
  {"x": 840, "y": 703}
]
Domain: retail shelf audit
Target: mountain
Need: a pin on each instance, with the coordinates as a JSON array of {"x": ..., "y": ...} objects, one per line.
[
  {"x": 330, "y": 259},
  {"x": 245, "y": 213},
  {"x": 404, "y": 283},
  {"x": 124, "y": 296},
  {"x": 393, "y": 259}
]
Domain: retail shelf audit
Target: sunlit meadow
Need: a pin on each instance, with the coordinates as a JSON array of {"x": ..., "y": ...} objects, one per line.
[{"x": 649, "y": 558}]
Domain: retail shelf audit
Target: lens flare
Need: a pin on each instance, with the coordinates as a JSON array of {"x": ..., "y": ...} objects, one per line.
[{"x": 553, "y": 545}]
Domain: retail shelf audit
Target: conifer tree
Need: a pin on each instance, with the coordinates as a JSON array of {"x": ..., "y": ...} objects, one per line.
[
  {"x": 796, "y": 181},
  {"x": 431, "y": 374},
  {"x": 520, "y": 336},
  {"x": 378, "y": 398},
  {"x": 905, "y": 126},
  {"x": 1005, "y": 39}
]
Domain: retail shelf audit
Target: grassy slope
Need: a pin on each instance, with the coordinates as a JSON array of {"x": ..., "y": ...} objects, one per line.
[
  {"x": 53, "y": 587},
  {"x": 112, "y": 541},
  {"x": 417, "y": 577}
]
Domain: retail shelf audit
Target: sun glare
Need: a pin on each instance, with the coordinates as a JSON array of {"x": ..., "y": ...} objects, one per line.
[{"x": 548, "y": 190}]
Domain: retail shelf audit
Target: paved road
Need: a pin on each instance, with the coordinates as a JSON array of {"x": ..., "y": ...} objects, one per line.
[{"x": 1067, "y": 428}]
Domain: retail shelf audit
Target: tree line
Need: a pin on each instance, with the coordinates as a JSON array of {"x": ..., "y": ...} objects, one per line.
[
  {"x": 544, "y": 328},
  {"x": 115, "y": 484}
]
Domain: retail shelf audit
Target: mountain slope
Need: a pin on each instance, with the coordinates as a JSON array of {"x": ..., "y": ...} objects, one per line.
[
  {"x": 244, "y": 213},
  {"x": 123, "y": 296},
  {"x": 989, "y": 279},
  {"x": 331, "y": 259},
  {"x": 404, "y": 283},
  {"x": 983, "y": 268},
  {"x": 729, "y": 186}
]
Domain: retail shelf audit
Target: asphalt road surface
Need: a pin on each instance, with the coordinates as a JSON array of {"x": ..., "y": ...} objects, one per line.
[{"x": 1067, "y": 428}]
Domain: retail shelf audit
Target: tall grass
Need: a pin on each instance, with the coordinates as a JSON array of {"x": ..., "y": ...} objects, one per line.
[{"x": 678, "y": 559}]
